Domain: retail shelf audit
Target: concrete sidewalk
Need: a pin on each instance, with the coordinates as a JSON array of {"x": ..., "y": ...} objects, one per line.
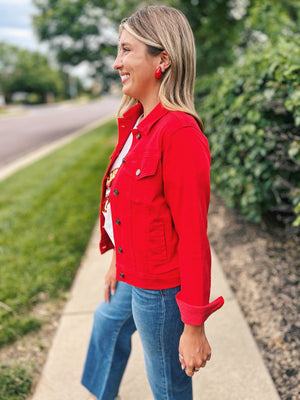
[{"x": 235, "y": 372}]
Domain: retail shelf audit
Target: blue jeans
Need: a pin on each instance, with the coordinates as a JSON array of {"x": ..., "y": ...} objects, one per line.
[
  {"x": 156, "y": 315},
  {"x": 110, "y": 345}
]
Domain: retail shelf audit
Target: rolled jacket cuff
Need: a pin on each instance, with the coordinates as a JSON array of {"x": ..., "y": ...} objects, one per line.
[{"x": 197, "y": 315}]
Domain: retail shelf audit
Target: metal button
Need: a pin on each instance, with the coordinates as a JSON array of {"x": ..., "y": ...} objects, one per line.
[
  {"x": 118, "y": 222},
  {"x": 138, "y": 172},
  {"x": 138, "y": 136},
  {"x": 120, "y": 250},
  {"x": 122, "y": 275},
  {"x": 116, "y": 192}
]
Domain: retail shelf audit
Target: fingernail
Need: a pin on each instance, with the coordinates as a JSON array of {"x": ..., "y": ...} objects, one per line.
[
  {"x": 112, "y": 292},
  {"x": 182, "y": 366}
]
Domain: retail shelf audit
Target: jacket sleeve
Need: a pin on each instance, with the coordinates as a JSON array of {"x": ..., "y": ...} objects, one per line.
[{"x": 186, "y": 177}]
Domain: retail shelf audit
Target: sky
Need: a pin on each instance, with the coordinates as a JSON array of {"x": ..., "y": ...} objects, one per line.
[
  {"x": 15, "y": 24},
  {"x": 16, "y": 29}
]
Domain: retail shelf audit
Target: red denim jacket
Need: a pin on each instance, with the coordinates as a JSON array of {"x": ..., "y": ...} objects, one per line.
[{"x": 159, "y": 200}]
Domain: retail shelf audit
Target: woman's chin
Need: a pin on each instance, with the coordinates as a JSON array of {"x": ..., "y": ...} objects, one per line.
[{"x": 126, "y": 91}]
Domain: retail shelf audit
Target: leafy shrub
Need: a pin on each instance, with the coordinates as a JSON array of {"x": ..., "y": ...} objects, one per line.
[{"x": 251, "y": 112}]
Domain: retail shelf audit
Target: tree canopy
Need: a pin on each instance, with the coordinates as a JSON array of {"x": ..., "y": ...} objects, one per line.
[
  {"x": 77, "y": 32},
  {"x": 87, "y": 30},
  {"x": 25, "y": 71}
]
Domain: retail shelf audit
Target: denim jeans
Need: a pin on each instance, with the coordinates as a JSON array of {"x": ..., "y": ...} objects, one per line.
[
  {"x": 157, "y": 318},
  {"x": 110, "y": 345},
  {"x": 156, "y": 315}
]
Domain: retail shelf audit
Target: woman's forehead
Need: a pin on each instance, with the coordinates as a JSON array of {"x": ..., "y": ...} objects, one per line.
[{"x": 127, "y": 38}]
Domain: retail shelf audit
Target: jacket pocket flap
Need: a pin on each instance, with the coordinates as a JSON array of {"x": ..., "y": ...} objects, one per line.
[{"x": 146, "y": 167}]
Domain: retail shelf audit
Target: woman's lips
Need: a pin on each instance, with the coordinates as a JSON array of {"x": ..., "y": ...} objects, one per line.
[{"x": 125, "y": 77}]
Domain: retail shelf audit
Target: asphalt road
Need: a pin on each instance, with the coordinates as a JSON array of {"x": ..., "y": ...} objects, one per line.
[{"x": 40, "y": 125}]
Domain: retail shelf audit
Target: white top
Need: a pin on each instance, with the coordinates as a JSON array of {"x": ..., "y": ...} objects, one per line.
[{"x": 108, "y": 224}]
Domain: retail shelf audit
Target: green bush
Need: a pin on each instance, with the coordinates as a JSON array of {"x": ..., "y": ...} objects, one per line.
[{"x": 251, "y": 112}]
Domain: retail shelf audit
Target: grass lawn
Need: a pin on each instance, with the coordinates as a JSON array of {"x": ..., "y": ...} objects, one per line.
[
  {"x": 15, "y": 383},
  {"x": 47, "y": 212}
]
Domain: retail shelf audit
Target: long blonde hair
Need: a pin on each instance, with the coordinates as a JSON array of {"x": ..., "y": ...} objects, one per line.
[{"x": 166, "y": 28}]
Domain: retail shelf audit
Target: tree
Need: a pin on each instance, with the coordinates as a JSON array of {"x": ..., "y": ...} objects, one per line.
[
  {"x": 272, "y": 19},
  {"x": 8, "y": 60},
  {"x": 216, "y": 30},
  {"x": 25, "y": 71},
  {"x": 78, "y": 31},
  {"x": 87, "y": 30},
  {"x": 224, "y": 29}
]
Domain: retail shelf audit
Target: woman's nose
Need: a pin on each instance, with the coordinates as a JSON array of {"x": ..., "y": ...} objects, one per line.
[{"x": 117, "y": 63}]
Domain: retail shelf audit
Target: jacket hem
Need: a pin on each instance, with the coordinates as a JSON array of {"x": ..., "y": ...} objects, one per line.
[{"x": 155, "y": 282}]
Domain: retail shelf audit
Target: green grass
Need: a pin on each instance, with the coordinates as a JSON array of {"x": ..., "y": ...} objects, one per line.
[
  {"x": 47, "y": 212},
  {"x": 15, "y": 383}
]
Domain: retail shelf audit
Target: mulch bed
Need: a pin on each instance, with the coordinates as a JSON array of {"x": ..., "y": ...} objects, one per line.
[{"x": 262, "y": 265}]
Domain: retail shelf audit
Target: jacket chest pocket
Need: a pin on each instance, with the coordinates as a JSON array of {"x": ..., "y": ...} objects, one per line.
[{"x": 145, "y": 178}]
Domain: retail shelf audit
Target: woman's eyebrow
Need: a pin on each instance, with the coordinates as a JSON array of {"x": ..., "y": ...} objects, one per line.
[{"x": 124, "y": 44}]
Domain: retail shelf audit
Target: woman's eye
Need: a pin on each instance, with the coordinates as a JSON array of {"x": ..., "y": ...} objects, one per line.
[{"x": 123, "y": 49}]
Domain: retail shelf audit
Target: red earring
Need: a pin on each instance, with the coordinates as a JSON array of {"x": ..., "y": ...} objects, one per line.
[{"x": 158, "y": 72}]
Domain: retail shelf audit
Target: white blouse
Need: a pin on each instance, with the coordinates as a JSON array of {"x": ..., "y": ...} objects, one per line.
[{"x": 108, "y": 224}]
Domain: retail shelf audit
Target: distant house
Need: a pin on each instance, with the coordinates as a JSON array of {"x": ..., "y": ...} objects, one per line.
[{"x": 19, "y": 97}]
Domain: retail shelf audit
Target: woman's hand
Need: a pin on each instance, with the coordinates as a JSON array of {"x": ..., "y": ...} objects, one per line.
[
  {"x": 110, "y": 280},
  {"x": 194, "y": 349}
]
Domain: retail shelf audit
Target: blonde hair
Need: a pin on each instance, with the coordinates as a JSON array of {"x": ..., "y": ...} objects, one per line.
[{"x": 166, "y": 28}]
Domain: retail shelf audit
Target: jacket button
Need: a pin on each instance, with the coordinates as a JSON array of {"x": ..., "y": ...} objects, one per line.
[
  {"x": 138, "y": 136},
  {"x": 116, "y": 192},
  {"x": 120, "y": 250},
  {"x": 118, "y": 222},
  {"x": 122, "y": 275},
  {"x": 123, "y": 160},
  {"x": 138, "y": 172}
]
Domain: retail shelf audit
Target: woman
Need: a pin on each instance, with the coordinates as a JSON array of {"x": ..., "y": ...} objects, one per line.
[{"x": 155, "y": 199}]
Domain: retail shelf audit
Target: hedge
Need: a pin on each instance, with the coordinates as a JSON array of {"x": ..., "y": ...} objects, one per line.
[{"x": 251, "y": 114}]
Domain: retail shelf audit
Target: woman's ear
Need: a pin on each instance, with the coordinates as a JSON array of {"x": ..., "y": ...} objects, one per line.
[{"x": 165, "y": 61}]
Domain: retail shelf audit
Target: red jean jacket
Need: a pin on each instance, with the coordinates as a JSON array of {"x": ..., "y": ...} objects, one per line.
[{"x": 159, "y": 200}]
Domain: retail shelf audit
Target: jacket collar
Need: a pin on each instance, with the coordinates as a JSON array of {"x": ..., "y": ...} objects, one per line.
[{"x": 130, "y": 117}]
